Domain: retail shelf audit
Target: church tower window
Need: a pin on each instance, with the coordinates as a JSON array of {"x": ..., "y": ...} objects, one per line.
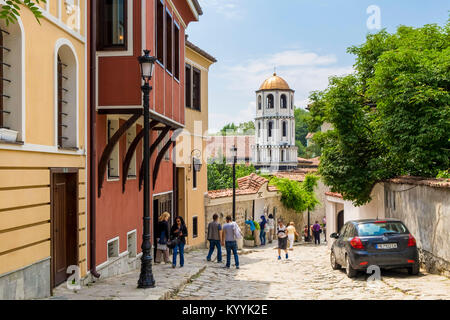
[
  {"x": 270, "y": 101},
  {"x": 283, "y": 101}
]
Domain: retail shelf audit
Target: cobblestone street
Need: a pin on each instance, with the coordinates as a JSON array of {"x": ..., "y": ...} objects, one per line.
[{"x": 305, "y": 275}]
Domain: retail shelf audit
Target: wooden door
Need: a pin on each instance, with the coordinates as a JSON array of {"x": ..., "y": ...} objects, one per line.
[{"x": 64, "y": 225}]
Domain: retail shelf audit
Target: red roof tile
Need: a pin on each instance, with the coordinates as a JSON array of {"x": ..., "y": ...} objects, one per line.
[{"x": 334, "y": 194}]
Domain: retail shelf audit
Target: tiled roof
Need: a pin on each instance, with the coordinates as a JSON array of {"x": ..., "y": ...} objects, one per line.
[
  {"x": 334, "y": 194},
  {"x": 309, "y": 135},
  {"x": 246, "y": 185},
  {"x": 221, "y": 145},
  {"x": 297, "y": 175},
  {"x": 430, "y": 182},
  {"x": 253, "y": 182},
  {"x": 309, "y": 162}
]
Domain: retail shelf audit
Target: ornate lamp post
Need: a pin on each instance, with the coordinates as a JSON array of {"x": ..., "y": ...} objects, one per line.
[
  {"x": 234, "y": 154},
  {"x": 146, "y": 279}
]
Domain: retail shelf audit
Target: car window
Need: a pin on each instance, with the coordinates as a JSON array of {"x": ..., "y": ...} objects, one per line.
[
  {"x": 351, "y": 231},
  {"x": 345, "y": 230},
  {"x": 342, "y": 231},
  {"x": 380, "y": 228}
]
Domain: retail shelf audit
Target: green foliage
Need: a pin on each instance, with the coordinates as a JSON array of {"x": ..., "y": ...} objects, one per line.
[
  {"x": 301, "y": 125},
  {"x": 299, "y": 196},
  {"x": 302, "y": 120},
  {"x": 391, "y": 117},
  {"x": 249, "y": 237},
  {"x": 11, "y": 10},
  {"x": 445, "y": 174},
  {"x": 245, "y": 128},
  {"x": 220, "y": 174}
]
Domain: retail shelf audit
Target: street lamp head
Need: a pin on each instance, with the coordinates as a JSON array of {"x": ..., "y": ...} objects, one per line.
[
  {"x": 147, "y": 63},
  {"x": 233, "y": 151}
]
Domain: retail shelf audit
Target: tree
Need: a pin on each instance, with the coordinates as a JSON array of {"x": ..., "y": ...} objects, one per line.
[
  {"x": 298, "y": 196},
  {"x": 245, "y": 128},
  {"x": 391, "y": 116},
  {"x": 301, "y": 125},
  {"x": 220, "y": 174},
  {"x": 11, "y": 10}
]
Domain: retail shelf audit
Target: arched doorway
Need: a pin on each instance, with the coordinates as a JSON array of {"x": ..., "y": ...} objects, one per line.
[{"x": 340, "y": 220}]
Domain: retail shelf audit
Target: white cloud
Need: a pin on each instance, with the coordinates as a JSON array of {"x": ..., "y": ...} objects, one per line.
[
  {"x": 228, "y": 8},
  {"x": 304, "y": 72},
  {"x": 218, "y": 120}
]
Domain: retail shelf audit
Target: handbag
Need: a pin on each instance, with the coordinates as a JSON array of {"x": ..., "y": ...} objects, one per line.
[{"x": 173, "y": 243}]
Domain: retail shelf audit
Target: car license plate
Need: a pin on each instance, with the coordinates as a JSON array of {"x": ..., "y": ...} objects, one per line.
[{"x": 387, "y": 246}]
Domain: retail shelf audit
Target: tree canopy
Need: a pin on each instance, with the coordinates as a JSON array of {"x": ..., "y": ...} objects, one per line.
[
  {"x": 299, "y": 196},
  {"x": 245, "y": 128},
  {"x": 11, "y": 10},
  {"x": 391, "y": 116},
  {"x": 220, "y": 174}
]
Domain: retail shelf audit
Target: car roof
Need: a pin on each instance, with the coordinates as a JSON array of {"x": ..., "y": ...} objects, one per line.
[{"x": 374, "y": 220}]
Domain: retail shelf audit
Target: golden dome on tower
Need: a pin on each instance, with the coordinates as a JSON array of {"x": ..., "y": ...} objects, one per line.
[{"x": 275, "y": 83}]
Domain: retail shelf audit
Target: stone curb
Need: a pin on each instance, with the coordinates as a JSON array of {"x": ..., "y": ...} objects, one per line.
[{"x": 173, "y": 292}]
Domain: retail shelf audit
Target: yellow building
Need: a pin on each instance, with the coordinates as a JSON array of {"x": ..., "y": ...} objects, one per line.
[
  {"x": 191, "y": 160},
  {"x": 42, "y": 149}
]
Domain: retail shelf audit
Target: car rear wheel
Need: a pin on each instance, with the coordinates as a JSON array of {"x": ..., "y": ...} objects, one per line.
[
  {"x": 334, "y": 264},
  {"x": 414, "y": 270},
  {"x": 351, "y": 273}
]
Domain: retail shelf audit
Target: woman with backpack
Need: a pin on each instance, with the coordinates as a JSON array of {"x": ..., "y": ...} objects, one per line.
[{"x": 178, "y": 235}]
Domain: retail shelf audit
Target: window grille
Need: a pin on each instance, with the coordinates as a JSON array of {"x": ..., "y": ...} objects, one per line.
[
  {"x": 3, "y": 111},
  {"x": 62, "y": 103}
]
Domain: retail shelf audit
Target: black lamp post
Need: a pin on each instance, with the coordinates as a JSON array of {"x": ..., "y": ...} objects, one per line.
[
  {"x": 309, "y": 228},
  {"x": 146, "y": 279},
  {"x": 234, "y": 154}
]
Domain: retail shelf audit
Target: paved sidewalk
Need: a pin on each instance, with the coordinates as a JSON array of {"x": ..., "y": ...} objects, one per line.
[{"x": 124, "y": 287}]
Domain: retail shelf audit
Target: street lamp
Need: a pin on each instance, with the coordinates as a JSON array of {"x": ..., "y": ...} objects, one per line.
[
  {"x": 234, "y": 154},
  {"x": 146, "y": 279}
]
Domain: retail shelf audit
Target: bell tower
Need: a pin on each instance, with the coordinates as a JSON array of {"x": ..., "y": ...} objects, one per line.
[{"x": 274, "y": 148}]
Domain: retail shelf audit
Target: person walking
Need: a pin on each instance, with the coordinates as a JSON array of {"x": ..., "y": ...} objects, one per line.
[
  {"x": 324, "y": 228},
  {"x": 305, "y": 233},
  {"x": 230, "y": 232},
  {"x": 291, "y": 232},
  {"x": 316, "y": 230},
  {"x": 282, "y": 239},
  {"x": 262, "y": 234},
  {"x": 178, "y": 233},
  {"x": 162, "y": 236},
  {"x": 271, "y": 226},
  {"x": 214, "y": 238}
]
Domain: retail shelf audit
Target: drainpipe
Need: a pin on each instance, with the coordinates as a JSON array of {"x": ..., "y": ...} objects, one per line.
[{"x": 92, "y": 140}]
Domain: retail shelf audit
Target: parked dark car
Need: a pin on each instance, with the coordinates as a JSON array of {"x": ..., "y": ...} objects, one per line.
[{"x": 385, "y": 243}]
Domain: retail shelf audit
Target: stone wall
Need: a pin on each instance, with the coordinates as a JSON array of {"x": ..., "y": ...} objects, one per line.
[
  {"x": 244, "y": 208},
  {"x": 426, "y": 212},
  {"x": 31, "y": 282}
]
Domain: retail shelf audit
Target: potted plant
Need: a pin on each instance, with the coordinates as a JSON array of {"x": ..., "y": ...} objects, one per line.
[{"x": 249, "y": 241}]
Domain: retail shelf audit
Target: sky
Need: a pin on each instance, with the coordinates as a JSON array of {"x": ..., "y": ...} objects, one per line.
[{"x": 305, "y": 40}]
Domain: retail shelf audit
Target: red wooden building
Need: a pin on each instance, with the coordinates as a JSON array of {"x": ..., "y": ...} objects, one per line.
[{"x": 119, "y": 31}]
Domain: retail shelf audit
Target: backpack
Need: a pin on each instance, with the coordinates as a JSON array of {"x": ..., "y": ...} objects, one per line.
[{"x": 237, "y": 231}]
